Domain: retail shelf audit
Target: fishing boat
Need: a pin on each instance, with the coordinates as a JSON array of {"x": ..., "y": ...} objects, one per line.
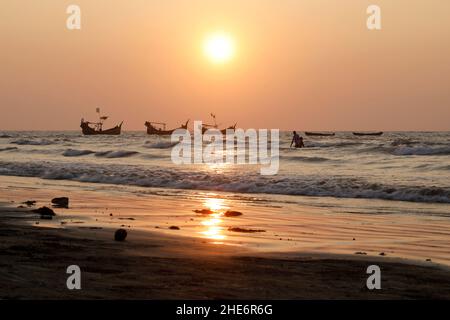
[
  {"x": 320, "y": 134},
  {"x": 159, "y": 128},
  {"x": 206, "y": 126},
  {"x": 96, "y": 128},
  {"x": 368, "y": 133}
]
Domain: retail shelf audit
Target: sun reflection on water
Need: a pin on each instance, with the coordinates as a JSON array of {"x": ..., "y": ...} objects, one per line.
[{"x": 212, "y": 222}]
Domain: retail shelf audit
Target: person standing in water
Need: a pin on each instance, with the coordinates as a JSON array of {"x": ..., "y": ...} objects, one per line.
[{"x": 297, "y": 140}]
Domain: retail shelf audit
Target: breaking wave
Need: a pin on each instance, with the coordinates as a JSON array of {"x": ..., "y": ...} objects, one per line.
[
  {"x": 421, "y": 151},
  {"x": 76, "y": 153},
  {"x": 23, "y": 142},
  {"x": 115, "y": 154},
  {"x": 247, "y": 182},
  {"x": 160, "y": 144}
]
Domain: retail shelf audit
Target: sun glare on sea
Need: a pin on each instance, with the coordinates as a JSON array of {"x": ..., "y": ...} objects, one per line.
[
  {"x": 219, "y": 47},
  {"x": 215, "y": 204}
]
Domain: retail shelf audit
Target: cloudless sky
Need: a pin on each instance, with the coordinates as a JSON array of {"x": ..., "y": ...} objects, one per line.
[{"x": 306, "y": 65}]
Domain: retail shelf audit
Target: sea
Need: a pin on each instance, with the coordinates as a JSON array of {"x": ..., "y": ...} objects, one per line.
[{"x": 399, "y": 166}]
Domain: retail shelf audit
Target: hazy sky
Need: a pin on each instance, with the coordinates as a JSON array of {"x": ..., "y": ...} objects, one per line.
[{"x": 306, "y": 65}]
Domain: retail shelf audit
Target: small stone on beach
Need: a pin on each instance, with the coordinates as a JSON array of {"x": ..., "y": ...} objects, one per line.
[
  {"x": 45, "y": 212},
  {"x": 29, "y": 203},
  {"x": 237, "y": 229},
  {"x": 204, "y": 211},
  {"x": 61, "y": 202},
  {"x": 174, "y": 228},
  {"x": 361, "y": 253},
  {"x": 120, "y": 234},
  {"x": 230, "y": 213}
]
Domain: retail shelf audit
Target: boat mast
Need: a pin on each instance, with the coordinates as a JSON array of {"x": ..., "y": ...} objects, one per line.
[{"x": 99, "y": 124}]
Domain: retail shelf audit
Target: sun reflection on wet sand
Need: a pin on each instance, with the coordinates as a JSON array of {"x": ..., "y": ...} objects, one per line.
[{"x": 212, "y": 222}]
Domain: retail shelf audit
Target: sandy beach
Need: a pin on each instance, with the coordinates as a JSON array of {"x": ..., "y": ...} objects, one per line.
[{"x": 310, "y": 258}]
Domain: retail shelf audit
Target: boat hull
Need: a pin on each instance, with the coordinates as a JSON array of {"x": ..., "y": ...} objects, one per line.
[
  {"x": 159, "y": 132},
  {"x": 367, "y": 133},
  {"x": 88, "y": 131},
  {"x": 154, "y": 131},
  {"x": 319, "y": 134},
  {"x": 223, "y": 131}
]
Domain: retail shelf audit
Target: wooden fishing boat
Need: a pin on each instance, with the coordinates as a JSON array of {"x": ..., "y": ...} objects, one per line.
[
  {"x": 96, "y": 128},
  {"x": 153, "y": 129},
  {"x": 320, "y": 134},
  {"x": 224, "y": 131},
  {"x": 368, "y": 133},
  {"x": 206, "y": 126}
]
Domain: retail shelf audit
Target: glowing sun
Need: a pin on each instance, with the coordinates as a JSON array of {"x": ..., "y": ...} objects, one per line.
[{"x": 219, "y": 48}]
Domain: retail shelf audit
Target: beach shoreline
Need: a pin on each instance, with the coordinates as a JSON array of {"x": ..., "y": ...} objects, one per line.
[{"x": 163, "y": 265}]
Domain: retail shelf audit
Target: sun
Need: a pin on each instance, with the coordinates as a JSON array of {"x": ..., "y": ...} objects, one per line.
[{"x": 219, "y": 47}]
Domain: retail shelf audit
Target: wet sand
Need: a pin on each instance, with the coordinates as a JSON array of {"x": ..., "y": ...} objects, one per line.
[
  {"x": 191, "y": 264},
  {"x": 152, "y": 266}
]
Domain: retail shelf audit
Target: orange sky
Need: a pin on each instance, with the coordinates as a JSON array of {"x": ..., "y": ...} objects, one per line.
[{"x": 306, "y": 65}]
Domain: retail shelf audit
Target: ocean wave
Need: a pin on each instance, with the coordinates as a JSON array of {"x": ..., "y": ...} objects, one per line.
[
  {"x": 23, "y": 142},
  {"x": 246, "y": 182},
  {"x": 5, "y": 136},
  {"x": 76, "y": 153},
  {"x": 160, "y": 144},
  {"x": 402, "y": 141},
  {"x": 337, "y": 144},
  {"x": 115, "y": 154},
  {"x": 421, "y": 150},
  {"x": 305, "y": 159}
]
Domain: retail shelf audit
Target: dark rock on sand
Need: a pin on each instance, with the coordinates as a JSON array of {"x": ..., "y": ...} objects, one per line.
[
  {"x": 120, "y": 234},
  {"x": 204, "y": 211},
  {"x": 237, "y": 229},
  {"x": 62, "y": 202},
  {"x": 361, "y": 253},
  {"x": 382, "y": 254},
  {"x": 174, "y": 228},
  {"x": 30, "y": 203},
  {"x": 45, "y": 212},
  {"x": 230, "y": 213}
]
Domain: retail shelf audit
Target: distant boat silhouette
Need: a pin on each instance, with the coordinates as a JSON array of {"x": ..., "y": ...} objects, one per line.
[
  {"x": 152, "y": 129},
  {"x": 98, "y": 127},
  {"x": 205, "y": 126},
  {"x": 368, "y": 133},
  {"x": 320, "y": 134}
]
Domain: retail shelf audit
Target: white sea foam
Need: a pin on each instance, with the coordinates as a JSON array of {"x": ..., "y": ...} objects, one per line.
[{"x": 248, "y": 182}]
